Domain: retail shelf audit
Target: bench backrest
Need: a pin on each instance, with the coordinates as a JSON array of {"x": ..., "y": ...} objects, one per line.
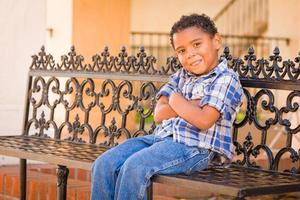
[{"x": 112, "y": 99}]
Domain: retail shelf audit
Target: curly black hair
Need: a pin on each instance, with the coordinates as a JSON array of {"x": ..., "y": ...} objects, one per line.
[{"x": 186, "y": 21}]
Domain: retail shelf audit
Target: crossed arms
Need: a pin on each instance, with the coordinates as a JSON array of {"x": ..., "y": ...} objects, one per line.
[{"x": 176, "y": 105}]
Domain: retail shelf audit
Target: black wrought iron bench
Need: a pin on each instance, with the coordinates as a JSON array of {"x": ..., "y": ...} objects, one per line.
[{"x": 75, "y": 111}]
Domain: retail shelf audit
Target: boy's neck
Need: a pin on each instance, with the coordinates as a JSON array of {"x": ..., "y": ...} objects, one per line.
[{"x": 213, "y": 66}]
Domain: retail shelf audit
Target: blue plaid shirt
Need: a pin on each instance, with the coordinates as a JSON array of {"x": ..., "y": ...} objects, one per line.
[{"x": 221, "y": 89}]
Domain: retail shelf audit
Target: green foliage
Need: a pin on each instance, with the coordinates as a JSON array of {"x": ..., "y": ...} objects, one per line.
[
  {"x": 242, "y": 114},
  {"x": 239, "y": 117},
  {"x": 148, "y": 120}
]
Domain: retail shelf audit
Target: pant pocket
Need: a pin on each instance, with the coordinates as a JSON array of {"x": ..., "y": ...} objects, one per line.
[{"x": 201, "y": 161}]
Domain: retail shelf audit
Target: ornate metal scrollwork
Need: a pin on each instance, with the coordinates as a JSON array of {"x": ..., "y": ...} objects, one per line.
[
  {"x": 147, "y": 92},
  {"x": 127, "y": 88},
  {"x": 42, "y": 61},
  {"x": 290, "y": 108},
  {"x": 72, "y": 62},
  {"x": 111, "y": 133},
  {"x": 41, "y": 125},
  {"x": 87, "y": 88},
  {"x": 248, "y": 149},
  {"x": 77, "y": 130},
  {"x": 69, "y": 90},
  {"x": 145, "y": 64}
]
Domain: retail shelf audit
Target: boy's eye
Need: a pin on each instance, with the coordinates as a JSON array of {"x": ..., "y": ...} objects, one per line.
[
  {"x": 180, "y": 51},
  {"x": 197, "y": 44}
]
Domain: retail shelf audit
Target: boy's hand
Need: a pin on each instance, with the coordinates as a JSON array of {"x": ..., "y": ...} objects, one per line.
[{"x": 176, "y": 98}]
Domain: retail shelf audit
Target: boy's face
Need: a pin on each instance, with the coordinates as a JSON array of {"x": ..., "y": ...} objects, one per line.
[{"x": 196, "y": 50}]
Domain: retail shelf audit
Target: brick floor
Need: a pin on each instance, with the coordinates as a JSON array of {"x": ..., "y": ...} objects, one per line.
[{"x": 41, "y": 185}]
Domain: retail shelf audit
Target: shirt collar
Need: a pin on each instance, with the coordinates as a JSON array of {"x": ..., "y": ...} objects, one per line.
[{"x": 222, "y": 66}]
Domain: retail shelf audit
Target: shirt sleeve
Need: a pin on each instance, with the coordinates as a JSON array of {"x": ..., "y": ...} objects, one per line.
[
  {"x": 171, "y": 86},
  {"x": 224, "y": 94}
]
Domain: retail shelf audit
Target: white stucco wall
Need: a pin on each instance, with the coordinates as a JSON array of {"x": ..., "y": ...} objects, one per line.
[
  {"x": 23, "y": 24},
  {"x": 59, "y": 19},
  {"x": 24, "y": 29}
]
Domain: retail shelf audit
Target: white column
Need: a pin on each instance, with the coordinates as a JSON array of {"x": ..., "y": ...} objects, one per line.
[{"x": 23, "y": 30}]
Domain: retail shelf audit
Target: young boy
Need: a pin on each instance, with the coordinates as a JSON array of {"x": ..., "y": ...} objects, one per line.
[{"x": 196, "y": 107}]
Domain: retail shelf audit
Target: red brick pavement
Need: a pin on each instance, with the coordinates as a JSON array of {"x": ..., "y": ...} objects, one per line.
[{"x": 41, "y": 184}]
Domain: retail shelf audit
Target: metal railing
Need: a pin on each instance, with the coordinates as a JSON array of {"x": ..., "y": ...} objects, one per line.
[
  {"x": 263, "y": 46},
  {"x": 243, "y": 17},
  {"x": 158, "y": 44},
  {"x": 155, "y": 43}
]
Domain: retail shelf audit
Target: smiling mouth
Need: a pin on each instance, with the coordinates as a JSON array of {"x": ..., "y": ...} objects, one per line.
[{"x": 197, "y": 62}]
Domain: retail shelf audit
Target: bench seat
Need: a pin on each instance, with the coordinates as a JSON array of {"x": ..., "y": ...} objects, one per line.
[
  {"x": 58, "y": 152},
  {"x": 235, "y": 180}
]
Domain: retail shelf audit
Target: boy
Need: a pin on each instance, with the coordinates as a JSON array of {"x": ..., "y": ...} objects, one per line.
[{"x": 196, "y": 107}]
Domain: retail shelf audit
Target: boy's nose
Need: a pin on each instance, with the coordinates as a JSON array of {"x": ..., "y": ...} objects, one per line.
[{"x": 190, "y": 53}]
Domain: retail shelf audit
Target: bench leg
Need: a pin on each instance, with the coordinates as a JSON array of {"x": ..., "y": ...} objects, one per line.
[
  {"x": 150, "y": 191},
  {"x": 62, "y": 178},
  {"x": 23, "y": 174}
]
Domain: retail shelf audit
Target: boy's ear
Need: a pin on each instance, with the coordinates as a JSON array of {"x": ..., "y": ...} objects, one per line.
[{"x": 217, "y": 41}]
